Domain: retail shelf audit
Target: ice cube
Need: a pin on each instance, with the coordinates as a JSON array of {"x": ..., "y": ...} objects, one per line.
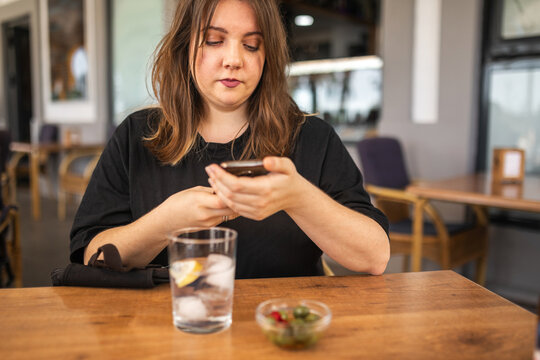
[
  {"x": 223, "y": 279},
  {"x": 191, "y": 308},
  {"x": 218, "y": 263},
  {"x": 220, "y": 271}
]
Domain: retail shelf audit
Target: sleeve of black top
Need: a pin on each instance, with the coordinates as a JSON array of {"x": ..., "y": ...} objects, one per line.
[
  {"x": 106, "y": 202},
  {"x": 341, "y": 179}
]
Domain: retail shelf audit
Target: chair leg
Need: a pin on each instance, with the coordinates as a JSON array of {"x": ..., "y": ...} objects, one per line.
[
  {"x": 481, "y": 268},
  {"x": 16, "y": 251},
  {"x": 481, "y": 262},
  {"x": 12, "y": 173},
  {"x": 327, "y": 270},
  {"x": 406, "y": 263}
]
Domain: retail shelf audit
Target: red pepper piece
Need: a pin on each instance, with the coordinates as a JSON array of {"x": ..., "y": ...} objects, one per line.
[{"x": 276, "y": 315}]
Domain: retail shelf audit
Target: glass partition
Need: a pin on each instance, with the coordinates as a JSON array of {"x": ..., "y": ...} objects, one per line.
[
  {"x": 345, "y": 92},
  {"x": 136, "y": 28},
  {"x": 514, "y": 110}
]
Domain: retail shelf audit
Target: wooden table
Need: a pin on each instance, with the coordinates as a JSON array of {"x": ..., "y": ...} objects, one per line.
[
  {"x": 426, "y": 315},
  {"x": 35, "y": 153},
  {"x": 476, "y": 189}
]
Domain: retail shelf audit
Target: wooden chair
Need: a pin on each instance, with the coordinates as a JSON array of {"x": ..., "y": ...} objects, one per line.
[
  {"x": 10, "y": 247},
  {"x": 450, "y": 245},
  {"x": 327, "y": 270},
  {"x": 71, "y": 181},
  {"x": 10, "y": 243},
  {"x": 18, "y": 163},
  {"x": 6, "y": 179}
]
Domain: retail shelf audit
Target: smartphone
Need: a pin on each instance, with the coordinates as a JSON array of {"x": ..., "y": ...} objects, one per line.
[{"x": 245, "y": 167}]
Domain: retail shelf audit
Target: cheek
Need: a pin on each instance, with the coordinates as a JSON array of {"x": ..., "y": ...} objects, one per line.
[
  {"x": 202, "y": 65},
  {"x": 207, "y": 59},
  {"x": 258, "y": 65}
]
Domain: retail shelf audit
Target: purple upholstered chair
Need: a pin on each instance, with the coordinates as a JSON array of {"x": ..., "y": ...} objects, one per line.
[
  {"x": 48, "y": 134},
  {"x": 386, "y": 179}
]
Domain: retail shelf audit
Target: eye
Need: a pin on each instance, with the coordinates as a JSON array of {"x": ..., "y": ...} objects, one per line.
[
  {"x": 213, "y": 43},
  {"x": 251, "y": 48}
]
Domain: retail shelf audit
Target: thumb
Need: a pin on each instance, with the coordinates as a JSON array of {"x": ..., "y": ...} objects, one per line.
[{"x": 278, "y": 164}]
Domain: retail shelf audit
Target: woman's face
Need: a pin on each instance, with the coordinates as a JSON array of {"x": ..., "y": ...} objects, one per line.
[{"x": 230, "y": 62}]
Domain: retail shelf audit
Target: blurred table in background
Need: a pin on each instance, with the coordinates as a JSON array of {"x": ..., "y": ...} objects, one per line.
[
  {"x": 39, "y": 153},
  {"x": 478, "y": 189}
]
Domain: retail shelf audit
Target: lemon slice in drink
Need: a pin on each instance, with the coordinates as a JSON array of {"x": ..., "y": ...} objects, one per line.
[{"x": 185, "y": 272}]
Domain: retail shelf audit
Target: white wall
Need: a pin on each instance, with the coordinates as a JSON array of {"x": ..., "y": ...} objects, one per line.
[{"x": 453, "y": 151}]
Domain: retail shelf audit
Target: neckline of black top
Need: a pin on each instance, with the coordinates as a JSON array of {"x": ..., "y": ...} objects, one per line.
[
  {"x": 240, "y": 140},
  {"x": 222, "y": 151}
]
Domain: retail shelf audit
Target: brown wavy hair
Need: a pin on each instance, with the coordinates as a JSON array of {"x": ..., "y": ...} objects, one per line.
[{"x": 273, "y": 116}]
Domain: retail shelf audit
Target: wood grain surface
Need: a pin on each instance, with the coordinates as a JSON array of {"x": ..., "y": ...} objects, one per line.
[
  {"x": 478, "y": 189},
  {"x": 427, "y": 315}
]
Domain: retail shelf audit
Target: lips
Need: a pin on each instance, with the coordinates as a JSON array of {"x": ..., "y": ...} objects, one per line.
[{"x": 230, "y": 83}]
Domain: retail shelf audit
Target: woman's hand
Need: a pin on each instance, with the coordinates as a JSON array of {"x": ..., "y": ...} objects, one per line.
[
  {"x": 195, "y": 207},
  {"x": 142, "y": 240},
  {"x": 259, "y": 197}
]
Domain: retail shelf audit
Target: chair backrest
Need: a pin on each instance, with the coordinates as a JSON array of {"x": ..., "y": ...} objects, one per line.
[
  {"x": 383, "y": 163},
  {"x": 48, "y": 134}
]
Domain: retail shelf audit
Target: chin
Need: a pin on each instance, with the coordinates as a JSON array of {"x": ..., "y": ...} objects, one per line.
[{"x": 232, "y": 104}]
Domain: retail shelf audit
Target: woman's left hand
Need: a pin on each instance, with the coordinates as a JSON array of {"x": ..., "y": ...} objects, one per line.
[{"x": 259, "y": 197}]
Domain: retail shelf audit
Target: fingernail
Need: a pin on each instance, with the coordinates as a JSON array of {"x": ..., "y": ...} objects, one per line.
[{"x": 209, "y": 170}]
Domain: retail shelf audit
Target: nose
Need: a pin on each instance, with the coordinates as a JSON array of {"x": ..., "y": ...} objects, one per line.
[{"x": 232, "y": 58}]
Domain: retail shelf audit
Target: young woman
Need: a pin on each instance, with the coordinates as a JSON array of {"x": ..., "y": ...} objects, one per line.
[{"x": 219, "y": 76}]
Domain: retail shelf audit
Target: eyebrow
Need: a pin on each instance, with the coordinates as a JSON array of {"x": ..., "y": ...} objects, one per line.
[{"x": 222, "y": 30}]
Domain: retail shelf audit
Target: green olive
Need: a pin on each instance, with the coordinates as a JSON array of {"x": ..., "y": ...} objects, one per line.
[
  {"x": 311, "y": 317},
  {"x": 300, "y": 311}
]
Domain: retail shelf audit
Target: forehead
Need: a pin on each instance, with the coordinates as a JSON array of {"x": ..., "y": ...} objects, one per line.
[{"x": 235, "y": 15}]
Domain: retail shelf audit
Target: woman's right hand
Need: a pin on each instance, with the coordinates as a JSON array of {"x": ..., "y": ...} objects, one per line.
[
  {"x": 142, "y": 240},
  {"x": 195, "y": 207}
]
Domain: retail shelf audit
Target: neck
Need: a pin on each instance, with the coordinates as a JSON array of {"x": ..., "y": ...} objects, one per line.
[{"x": 223, "y": 126}]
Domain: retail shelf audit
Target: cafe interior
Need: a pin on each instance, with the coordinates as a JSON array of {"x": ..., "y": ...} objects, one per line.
[{"x": 436, "y": 101}]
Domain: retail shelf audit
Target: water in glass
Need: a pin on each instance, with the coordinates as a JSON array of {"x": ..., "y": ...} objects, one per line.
[{"x": 202, "y": 293}]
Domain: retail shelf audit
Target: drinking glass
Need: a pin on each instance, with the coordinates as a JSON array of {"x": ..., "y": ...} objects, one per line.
[{"x": 201, "y": 266}]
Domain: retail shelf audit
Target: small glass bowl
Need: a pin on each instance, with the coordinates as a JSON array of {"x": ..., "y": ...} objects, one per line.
[{"x": 293, "y": 329}]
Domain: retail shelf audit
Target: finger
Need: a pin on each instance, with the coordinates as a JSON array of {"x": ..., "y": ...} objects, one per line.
[
  {"x": 232, "y": 199},
  {"x": 222, "y": 192},
  {"x": 204, "y": 189},
  {"x": 235, "y": 184},
  {"x": 210, "y": 200},
  {"x": 222, "y": 212},
  {"x": 279, "y": 164},
  {"x": 249, "y": 212},
  {"x": 255, "y": 199},
  {"x": 225, "y": 218}
]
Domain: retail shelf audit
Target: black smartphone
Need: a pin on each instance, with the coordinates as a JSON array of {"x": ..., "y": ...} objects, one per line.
[{"x": 245, "y": 167}]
